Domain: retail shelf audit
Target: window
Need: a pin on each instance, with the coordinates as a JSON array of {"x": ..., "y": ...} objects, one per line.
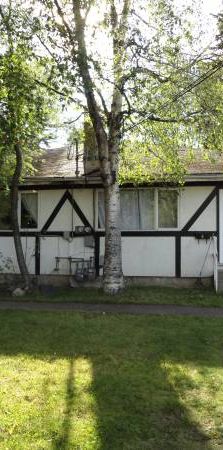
[
  {"x": 5, "y": 212},
  {"x": 137, "y": 209},
  {"x": 144, "y": 209},
  {"x": 167, "y": 208},
  {"x": 29, "y": 210}
]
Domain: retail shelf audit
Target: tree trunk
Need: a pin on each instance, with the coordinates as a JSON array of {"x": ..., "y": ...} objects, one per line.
[
  {"x": 14, "y": 216},
  {"x": 113, "y": 276},
  {"x": 107, "y": 135}
]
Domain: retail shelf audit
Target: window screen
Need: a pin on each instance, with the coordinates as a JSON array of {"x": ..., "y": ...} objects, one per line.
[
  {"x": 167, "y": 208},
  {"x": 146, "y": 209},
  {"x": 129, "y": 210},
  {"x": 29, "y": 210}
]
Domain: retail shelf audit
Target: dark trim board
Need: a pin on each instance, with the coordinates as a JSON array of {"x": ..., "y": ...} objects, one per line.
[
  {"x": 37, "y": 256},
  {"x": 59, "y": 186},
  {"x": 88, "y": 184},
  {"x": 123, "y": 233},
  {"x": 205, "y": 233},
  {"x": 213, "y": 183},
  {"x": 178, "y": 256},
  {"x": 97, "y": 255},
  {"x": 22, "y": 233},
  {"x": 46, "y": 233}
]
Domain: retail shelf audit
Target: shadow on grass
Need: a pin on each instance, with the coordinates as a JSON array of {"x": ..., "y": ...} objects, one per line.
[
  {"x": 139, "y": 390},
  {"x": 62, "y": 442}
]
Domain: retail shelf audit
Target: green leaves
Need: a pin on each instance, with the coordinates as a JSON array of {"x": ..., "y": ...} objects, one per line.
[{"x": 25, "y": 105}]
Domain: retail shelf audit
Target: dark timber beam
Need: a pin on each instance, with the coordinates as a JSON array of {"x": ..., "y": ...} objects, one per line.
[
  {"x": 97, "y": 255},
  {"x": 102, "y": 233},
  {"x": 178, "y": 256},
  {"x": 168, "y": 233},
  {"x": 37, "y": 255}
]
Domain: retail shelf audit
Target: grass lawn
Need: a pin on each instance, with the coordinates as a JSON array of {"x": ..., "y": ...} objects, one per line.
[
  {"x": 84, "y": 382},
  {"x": 147, "y": 295}
]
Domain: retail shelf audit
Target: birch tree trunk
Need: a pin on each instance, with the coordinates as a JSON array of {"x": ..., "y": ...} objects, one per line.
[
  {"x": 14, "y": 216},
  {"x": 113, "y": 276},
  {"x": 108, "y": 140}
]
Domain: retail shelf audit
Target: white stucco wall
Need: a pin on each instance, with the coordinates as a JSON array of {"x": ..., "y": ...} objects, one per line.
[
  {"x": 147, "y": 256},
  {"x": 142, "y": 256},
  {"x": 197, "y": 257},
  {"x": 8, "y": 255}
]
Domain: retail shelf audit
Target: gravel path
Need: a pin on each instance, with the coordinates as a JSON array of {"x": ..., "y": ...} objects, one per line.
[{"x": 172, "y": 310}]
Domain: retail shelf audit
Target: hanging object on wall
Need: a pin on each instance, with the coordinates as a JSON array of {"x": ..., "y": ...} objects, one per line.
[{"x": 67, "y": 236}]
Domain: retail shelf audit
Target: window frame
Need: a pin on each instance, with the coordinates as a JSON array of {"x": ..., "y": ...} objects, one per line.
[
  {"x": 20, "y": 210},
  {"x": 156, "y": 209}
]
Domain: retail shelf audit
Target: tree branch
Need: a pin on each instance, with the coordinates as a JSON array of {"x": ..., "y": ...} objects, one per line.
[
  {"x": 94, "y": 111},
  {"x": 65, "y": 23},
  {"x": 107, "y": 113},
  {"x": 62, "y": 94},
  {"x": 144, "y": 70}
]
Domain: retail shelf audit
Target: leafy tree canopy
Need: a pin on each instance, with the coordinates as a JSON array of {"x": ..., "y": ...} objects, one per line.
[
  {"x": 169, "y": 76},
  {"x": 25, "y": 104},
  {"x": 166, "y": 71}
]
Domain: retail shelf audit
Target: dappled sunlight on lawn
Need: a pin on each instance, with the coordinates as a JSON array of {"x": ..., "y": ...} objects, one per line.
[
  {"x": 81, "y": 382},
  {"x": 199, "y": 393}
]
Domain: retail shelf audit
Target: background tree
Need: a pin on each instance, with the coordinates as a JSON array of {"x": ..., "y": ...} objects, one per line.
[
  {"x": 24, "y": 113},
  {"x": 137, "y": 67}
]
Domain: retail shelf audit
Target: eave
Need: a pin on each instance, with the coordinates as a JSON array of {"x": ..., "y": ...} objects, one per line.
[{"x": 92, "y": 182}]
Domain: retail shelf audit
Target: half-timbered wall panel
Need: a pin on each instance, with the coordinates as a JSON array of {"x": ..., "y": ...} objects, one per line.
[
  {"x": 190, "y": 200},
  {"x": 51, "y": 247},
  {"x": 147, "y": 256},
  {"x": 63, "y": 221},
  {"x": 154, "y": 254},
  {"x": 197, "y": 257},
  {"x": 8, "y": 260}
]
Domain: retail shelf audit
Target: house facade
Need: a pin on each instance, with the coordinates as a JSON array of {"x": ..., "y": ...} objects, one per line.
[{"x": 168, "y": 232}]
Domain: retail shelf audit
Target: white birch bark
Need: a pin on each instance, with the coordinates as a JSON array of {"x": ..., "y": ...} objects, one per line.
[
  {"x": 113, "y": 276},
  {"x": 108, "y": 141}
]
